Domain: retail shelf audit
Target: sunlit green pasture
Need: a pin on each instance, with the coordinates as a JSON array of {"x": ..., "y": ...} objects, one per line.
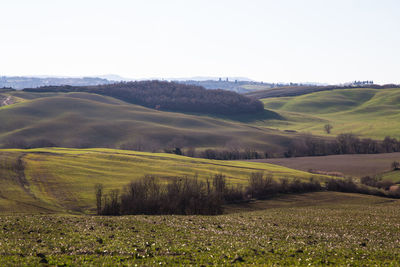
[
  {"x": 393, "y": 176},
  {"x": 373, "y": 113},
  {"x": 62, "y": 180}
]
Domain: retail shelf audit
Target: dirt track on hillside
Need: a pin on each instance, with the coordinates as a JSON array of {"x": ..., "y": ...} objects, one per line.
[{"x": 6, "y": 101}]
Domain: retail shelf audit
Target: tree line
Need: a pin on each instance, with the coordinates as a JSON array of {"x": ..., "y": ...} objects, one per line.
[
  {"x": 190, "y": 196},
  {"x": 346, "y": 143},
  {"x": 307, "y": 145},
  {"x": 302, "y": 146},
  {"x": 297, "y": 90},
  {"x": 169, "y": 96}
]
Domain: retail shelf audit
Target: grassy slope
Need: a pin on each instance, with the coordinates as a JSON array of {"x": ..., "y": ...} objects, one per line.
[
  {"x": 63, "y": 180},
  {"x": 80, "y": 119},
  {"x": 88, "y": 120},
  {"x": 371, "y": 113},
  {"x": 393, "y": 176},
  {"x": 316, "y": 229}
]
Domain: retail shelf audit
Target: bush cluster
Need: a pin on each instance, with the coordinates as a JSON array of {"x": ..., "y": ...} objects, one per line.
[
  {"x": 263, "y": 187},
  {"x": 376, "y": 182},
  {"x": 183, "y": 195},
  {"x": 15, "y": 142},
  {"x": 224, "y": 154},
  {"x": 349, "y": 186},
  {"x": 189, "y": 196}
]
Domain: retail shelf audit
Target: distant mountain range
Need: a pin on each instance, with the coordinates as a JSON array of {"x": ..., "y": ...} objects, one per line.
[
  {"x": 236, "y": 84},
  {"x": 21, "y": 82},
  {"x": 33, "y": 82}
]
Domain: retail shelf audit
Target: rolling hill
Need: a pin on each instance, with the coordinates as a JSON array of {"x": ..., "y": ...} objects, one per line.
[
  {"x": 91, "y": 120},
  {"x": 303, "y": 89},
  {"x": 60, "y": 180},
  {"x": 373, "y": 113}
]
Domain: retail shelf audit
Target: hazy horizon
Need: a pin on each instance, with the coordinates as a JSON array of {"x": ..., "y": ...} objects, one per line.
[{"x": 286, "y": 41}]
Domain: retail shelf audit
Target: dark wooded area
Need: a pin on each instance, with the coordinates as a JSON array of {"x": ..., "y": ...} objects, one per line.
[{"x": 169, "y": 96}]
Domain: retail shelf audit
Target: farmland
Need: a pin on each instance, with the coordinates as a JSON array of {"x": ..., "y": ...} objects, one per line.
[
  {"x": 311, "y": 229},
  {"x": 47, "y": 196},
  {"x": 349, "y": 165},
  {"x": 200, "y": 133},
  {"x": 62, "y": 180}
]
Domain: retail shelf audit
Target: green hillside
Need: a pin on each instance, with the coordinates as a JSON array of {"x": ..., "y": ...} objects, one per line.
[
  {"x": 90, "y": 120},
  {"x": 373, "y": 113},
  {"x": 393, "y": 176},
  {"x": 62, "y": 180}
]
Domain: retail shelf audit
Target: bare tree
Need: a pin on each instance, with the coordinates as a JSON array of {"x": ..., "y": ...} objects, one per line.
[
  {"x": 395, "y": 165},
  {"x": 98, "y": 188},
  {"x": 190, "y": 152},
  {"x": 328, "y": 128}
]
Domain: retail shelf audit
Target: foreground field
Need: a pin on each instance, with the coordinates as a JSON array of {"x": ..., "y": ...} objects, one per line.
[
  {"x": 312, "y": 229},
  {"x": 62, "y": 180},
  {"x": 349, "y": 165}
]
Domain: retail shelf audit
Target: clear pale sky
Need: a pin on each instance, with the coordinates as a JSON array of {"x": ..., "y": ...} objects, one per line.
[{"x": 330, "y": 41}]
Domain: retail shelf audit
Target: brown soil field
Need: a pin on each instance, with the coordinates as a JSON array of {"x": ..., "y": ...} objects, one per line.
[{"x": 350, "y": 165}]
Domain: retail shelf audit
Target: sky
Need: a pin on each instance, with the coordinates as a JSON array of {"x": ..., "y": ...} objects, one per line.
[{"x": 327, "y": 41}]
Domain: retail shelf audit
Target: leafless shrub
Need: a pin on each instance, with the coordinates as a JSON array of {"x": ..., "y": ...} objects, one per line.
[
  {"x": 297, "y": 186},
  {"x": 15, "y": 142},
  {"x": 349, "y": 186},
  {"x": 395, "y": 165},
  {"x": 186, "y": 196},
  {"x": 339, "y": 185},
  {"x": 111, "y": 203},
  {"x": 376, "y": 182},
  {"x": 328, "y": 128},
  {"x": 234, "y": 194},
  {"x": 182, "y": 195},
  {"x": 190, "y": 152},
  {"x": 336, "y": 174},
  {"x": 42, "y": 143},
  {"x": 260, "y": 187},
  {"x": 370, "y": 181},
  {"x": 142, "y": 144},
  {"x": 225, "y": 154},
  {"x": 98, "y": 188},
  {"x": 384, "y": 184}
]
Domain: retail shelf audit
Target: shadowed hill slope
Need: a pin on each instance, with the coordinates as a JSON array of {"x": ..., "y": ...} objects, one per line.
[{"x": 91, "y": 120}]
